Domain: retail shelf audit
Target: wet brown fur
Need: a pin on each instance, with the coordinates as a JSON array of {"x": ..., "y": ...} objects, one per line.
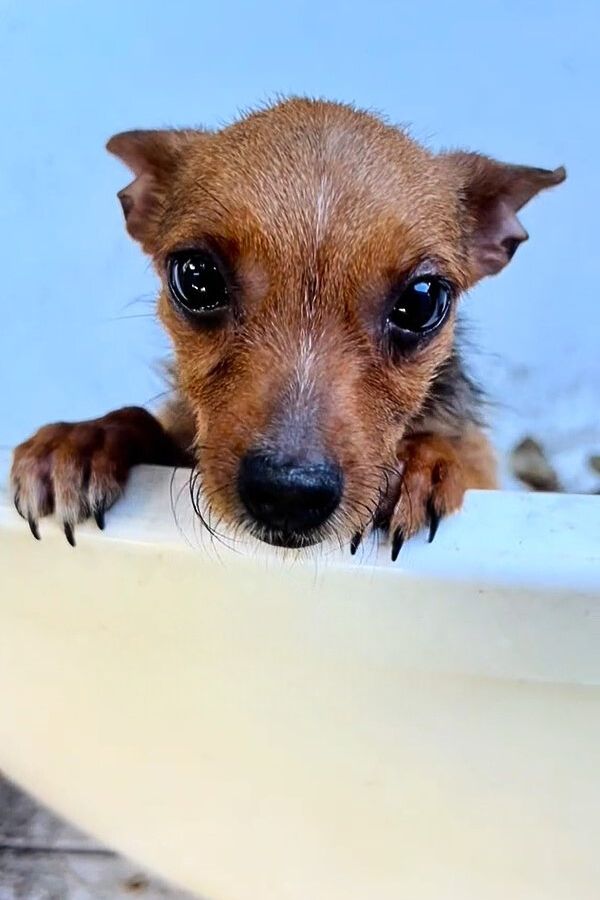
[{"x": 318, "y": 211}]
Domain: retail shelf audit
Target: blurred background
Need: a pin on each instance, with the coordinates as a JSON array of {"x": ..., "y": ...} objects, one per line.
[{"x": 517, "y": 80}]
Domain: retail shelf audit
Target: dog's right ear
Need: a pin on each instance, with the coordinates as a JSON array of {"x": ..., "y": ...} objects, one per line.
[{"x": 153, "y": 157}]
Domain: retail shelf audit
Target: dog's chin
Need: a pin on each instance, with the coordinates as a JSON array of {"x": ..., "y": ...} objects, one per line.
[{"x": 285, "y": 539}]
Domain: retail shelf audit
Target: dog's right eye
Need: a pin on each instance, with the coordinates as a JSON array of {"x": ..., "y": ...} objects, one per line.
[{"x": 197, "y": 283}]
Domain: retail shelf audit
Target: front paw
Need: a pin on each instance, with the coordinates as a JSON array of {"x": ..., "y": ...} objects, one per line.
[
  {"x": 432, "y": 486},
  {"x": 78, "y": 470}
]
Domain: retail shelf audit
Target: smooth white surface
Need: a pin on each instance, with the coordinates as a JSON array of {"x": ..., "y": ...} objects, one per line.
[
  {"x": 326, "y": 728},
  {"x": 516, "y": 80}
]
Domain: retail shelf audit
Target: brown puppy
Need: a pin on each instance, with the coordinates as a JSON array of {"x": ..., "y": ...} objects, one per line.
[{"x": 311, "y": 261}]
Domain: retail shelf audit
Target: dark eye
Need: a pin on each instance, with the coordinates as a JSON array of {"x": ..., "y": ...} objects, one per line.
[
  {"x": 420, "y": 307},
  {"x": 197, "y": 283}
]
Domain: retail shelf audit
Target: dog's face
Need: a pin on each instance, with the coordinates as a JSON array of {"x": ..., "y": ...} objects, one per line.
[{"x": 311, "y": 260}]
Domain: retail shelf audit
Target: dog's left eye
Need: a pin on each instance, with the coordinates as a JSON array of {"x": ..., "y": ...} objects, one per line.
[
  {"x": 197, "y": 283},
  {"x": 421, "y": 307}
]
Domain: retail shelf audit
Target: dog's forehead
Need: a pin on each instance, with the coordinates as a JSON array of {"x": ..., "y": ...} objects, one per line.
[
  {"x": 305, "y": 172},
  {"x": 292, "y": 150}
]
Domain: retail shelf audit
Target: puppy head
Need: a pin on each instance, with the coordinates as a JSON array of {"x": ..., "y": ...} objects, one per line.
[{"x": 311, "y": 259}]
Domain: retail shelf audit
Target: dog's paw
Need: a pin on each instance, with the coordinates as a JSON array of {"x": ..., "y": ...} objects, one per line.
[
  {"x": 432, "y": 486},
  {"x": 78, "y": 470}
]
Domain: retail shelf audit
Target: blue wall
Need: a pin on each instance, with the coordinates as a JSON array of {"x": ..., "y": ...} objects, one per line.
[{"x": 518, "y": 80}]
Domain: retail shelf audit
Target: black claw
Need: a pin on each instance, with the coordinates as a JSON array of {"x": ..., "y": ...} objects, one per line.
[
  {"x": 33, "y": 527},
  {"x": 99, "y": 517},
  {"x": 69, "y": 533},
  {"x": 355, "y": 542},
  {"x": 434, "y": 521},
  {"x": 397, "y": 542}
]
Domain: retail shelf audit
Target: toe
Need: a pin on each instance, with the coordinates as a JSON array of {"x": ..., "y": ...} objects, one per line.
[
  {"x": 397, "y": 543},
  {"x": 69, "y": 533},
  {"x": 434, "y": 519}
]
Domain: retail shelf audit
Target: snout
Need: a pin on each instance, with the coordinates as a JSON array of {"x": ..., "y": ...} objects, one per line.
[{"x": 290, "y": 499}]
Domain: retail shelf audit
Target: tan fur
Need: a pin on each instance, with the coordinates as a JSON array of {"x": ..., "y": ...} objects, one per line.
[
  {"x": 435, "y": 473},
  {"x": 318, "y": 211}
]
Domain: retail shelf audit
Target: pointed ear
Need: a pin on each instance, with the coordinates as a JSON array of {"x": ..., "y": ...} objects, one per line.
[
  {"x": 492, "y": 193},
  {"x": 153, "y": 157}
]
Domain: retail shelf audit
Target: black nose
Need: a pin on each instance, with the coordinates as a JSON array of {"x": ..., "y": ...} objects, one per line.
[{"x": 286, "y": 495}]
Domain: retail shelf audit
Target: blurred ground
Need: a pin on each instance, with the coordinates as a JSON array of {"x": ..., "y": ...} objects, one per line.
[{"x": 43, "y": 858}]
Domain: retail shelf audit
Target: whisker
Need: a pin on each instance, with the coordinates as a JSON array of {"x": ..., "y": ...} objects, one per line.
[{"x": 132, "y": 316}]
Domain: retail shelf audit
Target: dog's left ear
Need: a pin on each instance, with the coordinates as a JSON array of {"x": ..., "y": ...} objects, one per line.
[{"x": 492, "y": 193}]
